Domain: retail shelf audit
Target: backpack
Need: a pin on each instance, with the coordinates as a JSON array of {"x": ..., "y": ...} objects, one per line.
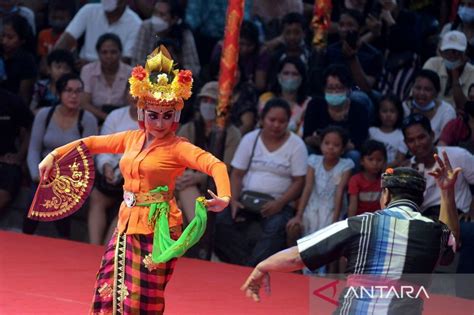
[{"x": 80, "y": 127}]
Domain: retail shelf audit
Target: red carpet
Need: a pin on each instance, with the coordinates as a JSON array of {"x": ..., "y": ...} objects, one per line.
[{"x": 40, "y": 275}]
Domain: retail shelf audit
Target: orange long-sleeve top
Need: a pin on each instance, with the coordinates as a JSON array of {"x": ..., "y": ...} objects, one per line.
[{"x": 157, "y": 165}]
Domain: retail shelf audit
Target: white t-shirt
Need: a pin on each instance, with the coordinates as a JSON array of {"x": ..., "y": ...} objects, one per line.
[
  {"x": 458, "y": 157},
  {"x": 443, "y": 115},
  {"x": 393, "y": 141},
  {"x": 92, "y": 20},
  {"x": 117, "y": 121},
  {"x": 270, "y": 172}
]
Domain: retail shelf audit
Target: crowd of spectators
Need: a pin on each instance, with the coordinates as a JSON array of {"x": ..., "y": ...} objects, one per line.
[{"x": 310, "y": 130}]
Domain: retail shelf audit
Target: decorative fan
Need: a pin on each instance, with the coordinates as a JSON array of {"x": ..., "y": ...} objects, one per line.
[{"x": 67, "y": 188}]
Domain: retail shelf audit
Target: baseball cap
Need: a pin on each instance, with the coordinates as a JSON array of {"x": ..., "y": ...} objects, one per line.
[
  {"x": 454, "y": 40},
  {"x": 210, "y": 89}
]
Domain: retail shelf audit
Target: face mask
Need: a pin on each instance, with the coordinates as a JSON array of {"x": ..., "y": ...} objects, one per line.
[
  {"x": 466, "y": 14},
  {"x": 208, "y": 110},
  {"x": 335, "y": 99},
  {"x": 58, "y": 25},
  {"x": 450, "y": 65},
  {"x": 425, "y": 108},
  {"x": 109, "y": 5},
  {"x": 159, "y": 24},
  {"x": 289, "y": 84}
]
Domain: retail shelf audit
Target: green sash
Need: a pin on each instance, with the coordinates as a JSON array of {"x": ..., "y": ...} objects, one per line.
[{"x": 164, "y": 247}]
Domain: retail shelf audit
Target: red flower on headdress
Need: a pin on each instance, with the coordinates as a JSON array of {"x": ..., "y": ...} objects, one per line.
[
  {"x": 185, "y": 76},
  {"x": 139, "y": 73},
  {"x": 389, "y": 171}
]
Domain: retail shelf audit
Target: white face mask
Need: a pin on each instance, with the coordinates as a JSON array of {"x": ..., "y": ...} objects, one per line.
[
  {"x": 208, "y": 110},
  {"x": 159, "y": 25},
  {"x": 109, "y": 5}
]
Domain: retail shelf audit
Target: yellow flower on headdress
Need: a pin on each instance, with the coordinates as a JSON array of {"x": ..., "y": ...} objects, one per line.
[
  {"x": 162, "y": 79},
  {"x": 139, "y": 88},
  {"x": 152, "y": 82}
]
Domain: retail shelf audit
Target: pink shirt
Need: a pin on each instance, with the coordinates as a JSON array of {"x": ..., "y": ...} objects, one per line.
[{"x": 101, "y": 92}]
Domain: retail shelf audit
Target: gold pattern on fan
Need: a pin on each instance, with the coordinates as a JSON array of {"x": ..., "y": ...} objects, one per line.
[{"x": 67, "y": 190}]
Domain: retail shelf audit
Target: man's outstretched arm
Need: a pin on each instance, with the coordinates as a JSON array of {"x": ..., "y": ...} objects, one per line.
[
  {"x": 445, "y": 178},
  {"x": 285, "y": 261}
]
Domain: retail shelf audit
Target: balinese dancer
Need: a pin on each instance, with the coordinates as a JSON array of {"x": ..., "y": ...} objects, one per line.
[{"x": 140, "y": 257}]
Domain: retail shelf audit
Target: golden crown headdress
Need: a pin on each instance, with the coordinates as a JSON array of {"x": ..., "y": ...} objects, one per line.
[{"x": 159, "y": 83}]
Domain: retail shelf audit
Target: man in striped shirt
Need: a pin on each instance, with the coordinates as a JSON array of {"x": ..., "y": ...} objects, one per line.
[{"x": 388, "y": 244}]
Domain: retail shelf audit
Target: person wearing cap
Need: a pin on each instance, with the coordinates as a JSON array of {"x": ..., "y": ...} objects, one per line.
[
  {"x": 384, "y": 245},
  {"x": 455, "y": 72},
  {"x": 198, "y": 131},
  {"x": 140, "y": 257}
]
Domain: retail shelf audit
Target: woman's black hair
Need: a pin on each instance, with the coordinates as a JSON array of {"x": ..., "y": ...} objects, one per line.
[
  {"x": 292, "y": 18},
  {"x": 432, "y": 76},
  {"x": 249, "y": 31},
  {"x": 106, "y": 37},
  {"x": 301, "y": 67},
  {"x": 61, "y": 56},
  {"x": 23, "y": 29},
  {"x": 276, "y": 103},
  {"x": 355, "y": 15},
  {"x": 335, "y": 129},
  {"x": 175, "y": 32},
  {"x": 64, "y": 79},
  {"x": 391, "y": 98},
  {"x": 339, "y": 71}
]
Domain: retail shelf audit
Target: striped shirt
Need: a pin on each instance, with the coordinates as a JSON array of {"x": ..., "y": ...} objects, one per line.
[
  {"x": 387, "y": 245},
  {"x": 395, "y": 241}
]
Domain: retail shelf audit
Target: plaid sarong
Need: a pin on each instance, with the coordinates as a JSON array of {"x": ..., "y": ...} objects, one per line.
[{"x": 124, "y": 285}]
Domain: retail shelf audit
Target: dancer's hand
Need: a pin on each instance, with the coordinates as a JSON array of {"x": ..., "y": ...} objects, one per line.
[
  {"x": 45, "y": 166},
  {"x": 253, "y": 283},
  {"x": 216, "y": 204},
  {"x": 444, "y": 174}
]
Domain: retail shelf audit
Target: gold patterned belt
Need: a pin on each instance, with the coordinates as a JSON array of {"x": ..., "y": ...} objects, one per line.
[{"x": 144, "y": 199}]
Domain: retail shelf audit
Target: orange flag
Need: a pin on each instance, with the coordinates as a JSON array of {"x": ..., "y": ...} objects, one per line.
[
  {"x": 229, "y": 59},
  {"x": 321, "y": 22}
]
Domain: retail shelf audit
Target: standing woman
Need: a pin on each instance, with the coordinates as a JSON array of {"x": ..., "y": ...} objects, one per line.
[
  {"x": 167, "y": 25},
  {"x": 105, "y": 80},
  {"x": 290, "y": 85},
  {"x": 56, "y": 126},
  {"x": 152, "y": 159}
]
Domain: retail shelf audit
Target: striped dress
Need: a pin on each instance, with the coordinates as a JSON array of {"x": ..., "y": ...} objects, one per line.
[{"x": 381, "y": 247}]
